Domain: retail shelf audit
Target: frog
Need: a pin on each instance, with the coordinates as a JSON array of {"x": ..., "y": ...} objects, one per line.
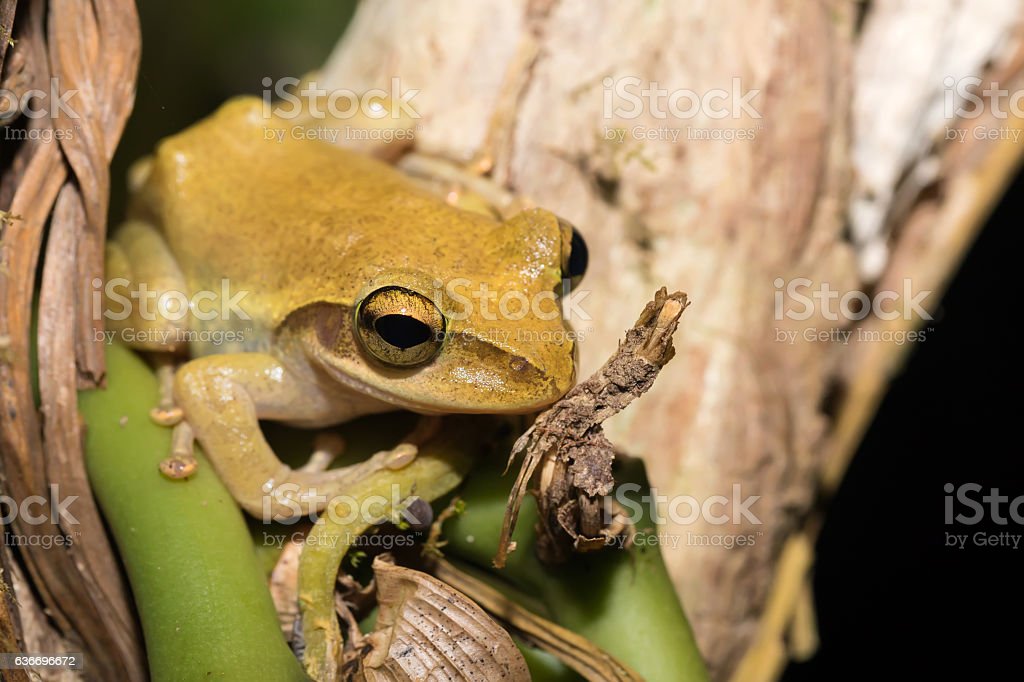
[{"x": 308, "y": 284}]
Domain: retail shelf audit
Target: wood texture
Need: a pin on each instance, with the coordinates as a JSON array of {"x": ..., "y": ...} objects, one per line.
[
  {"x": 58, "y": 178},
  {"x": 845, "y": 110}
]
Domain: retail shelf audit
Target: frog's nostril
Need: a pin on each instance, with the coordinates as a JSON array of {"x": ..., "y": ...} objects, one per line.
[{"x": 518, "y": 363}]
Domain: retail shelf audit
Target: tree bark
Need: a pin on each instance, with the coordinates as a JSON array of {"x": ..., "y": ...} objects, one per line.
[{"x": 839, "y": 171}]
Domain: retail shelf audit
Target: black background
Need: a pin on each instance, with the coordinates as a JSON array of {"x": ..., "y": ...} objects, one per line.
[{"x": 890, "y": 595}]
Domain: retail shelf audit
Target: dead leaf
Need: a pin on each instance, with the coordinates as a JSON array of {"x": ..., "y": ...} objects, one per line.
[
  {"x": 589, "y": 660},
  {"x": 427, "y": 630}
]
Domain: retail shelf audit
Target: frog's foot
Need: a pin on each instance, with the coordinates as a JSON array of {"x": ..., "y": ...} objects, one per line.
[
  {"x": 405, "y": 452},
  {"x": 462, "y": 186},
  {"x": 182, "y": 462},
  {"x": 225, "y": 396},
  {"x": 166, "y": 413},
  {"x": 312, "y": 487}
]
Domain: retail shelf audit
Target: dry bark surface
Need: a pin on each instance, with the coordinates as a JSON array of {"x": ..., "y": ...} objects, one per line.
[{"x": 844, "y": 176}]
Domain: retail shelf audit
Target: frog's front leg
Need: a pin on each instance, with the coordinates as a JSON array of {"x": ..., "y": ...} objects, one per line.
[{"x": 225, "y": 396}]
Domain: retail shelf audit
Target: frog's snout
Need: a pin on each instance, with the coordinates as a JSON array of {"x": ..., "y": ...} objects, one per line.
[{"x": 537, "y": 382}]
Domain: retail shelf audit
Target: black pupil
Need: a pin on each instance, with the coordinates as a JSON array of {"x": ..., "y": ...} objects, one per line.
[
  {"x": 577, "y": 255},
  {"x": 402, "y": 331}
]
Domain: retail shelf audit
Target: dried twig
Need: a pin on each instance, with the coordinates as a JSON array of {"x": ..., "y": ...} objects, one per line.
[
  {"x": 91, "y": 51},
  {"x": 569, "y": 438}
]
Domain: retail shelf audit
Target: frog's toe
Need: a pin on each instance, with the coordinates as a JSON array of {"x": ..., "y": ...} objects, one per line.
[{"x": 327, "y": 446}]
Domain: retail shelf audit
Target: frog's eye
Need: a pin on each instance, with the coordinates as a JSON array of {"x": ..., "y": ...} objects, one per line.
[
  {"x": 399, "y": 326},
  {"x": 574, "y": 263}
]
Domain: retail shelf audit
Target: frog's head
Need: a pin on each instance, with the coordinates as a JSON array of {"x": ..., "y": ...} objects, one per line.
[{"x": 481, "y": 331}]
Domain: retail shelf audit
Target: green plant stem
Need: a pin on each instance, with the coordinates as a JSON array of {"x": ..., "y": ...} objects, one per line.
[
  {"x": 437, "y": 469},
  {"x": 203, "y": 601},
  {"x": 623, "y": 601}
]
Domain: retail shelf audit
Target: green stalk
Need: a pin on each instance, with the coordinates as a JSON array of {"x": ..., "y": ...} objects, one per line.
[
  {"x": 437, "y": 469},
  {"x": 623, "y": 601},
  {"x": 203, "y": 601}
]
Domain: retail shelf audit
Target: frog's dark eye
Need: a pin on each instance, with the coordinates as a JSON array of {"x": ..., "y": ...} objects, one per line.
[
  {"x": 574, "y": 263},
  {"x": 400, "y": 327}
]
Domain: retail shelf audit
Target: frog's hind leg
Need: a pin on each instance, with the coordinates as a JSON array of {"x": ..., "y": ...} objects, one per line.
[
  {"x": 462, "y": 186},
  {"x": 166, "y": 413},
  {"x": 327, "y": 446},
  {"x": 225, "y": 397},
  {"x": 140, "y": 270}
]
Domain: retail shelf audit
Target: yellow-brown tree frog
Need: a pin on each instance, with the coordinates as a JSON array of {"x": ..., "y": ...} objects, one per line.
[{"x": 322, "y": 285}]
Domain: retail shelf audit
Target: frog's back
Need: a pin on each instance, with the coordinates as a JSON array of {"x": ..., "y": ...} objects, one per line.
[{"x": 287, "y": 220}]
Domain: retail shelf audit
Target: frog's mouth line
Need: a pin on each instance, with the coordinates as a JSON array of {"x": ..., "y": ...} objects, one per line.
[{"x": 366, "y": 390}]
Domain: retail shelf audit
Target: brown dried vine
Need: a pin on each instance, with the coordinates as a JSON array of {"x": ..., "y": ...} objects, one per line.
[
  {"x": 57, "y": 175},
  {"x": 568, "y": 443}
]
